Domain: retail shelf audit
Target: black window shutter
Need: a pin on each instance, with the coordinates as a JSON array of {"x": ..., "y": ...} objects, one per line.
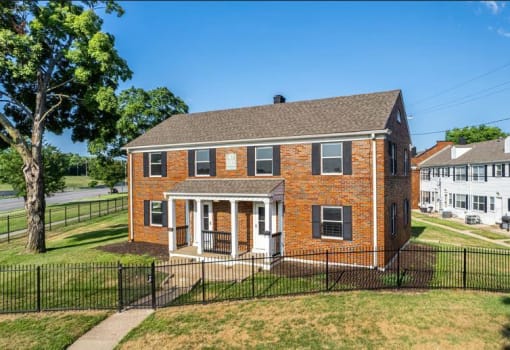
[
  {"x": 485, "y": 200},
  {"x": 146, "y": 165},
  {"x": 508, "y": 208},
  {"x": 347, "y": 157},
  {"x": 493, "y": 170},
  {"x": 503, "y": 166},
  {"x": 347, "y": 223},
  {"x": 250, "y": 157},
  {"x": 485, "y": 172},
  {"x": 467, "y": 202},
  {"x": 316, "y": 158},
  {"x": 453, "y": 204},
  {"x": 163, "y": 164},
  {"x": 212, "y": 161},
  {"x": 164, "y": 213},
  {"x": 191, "y": 163},
  {"x": 276, "y": 160},
  {"x": 146, "y": 212},
  {"x": 448, "y": 171},
  {"x": 467, "y": 173},
  {"x": 453, "y": 173},
  {"x": 316, "y": 221}
]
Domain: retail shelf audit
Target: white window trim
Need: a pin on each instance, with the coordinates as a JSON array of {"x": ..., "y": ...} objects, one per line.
[
  {"x": 202, "y": 161},
  {"x": 491, "y": 202},
  {"x": 399, "y": 117},
  {"x": 152, "y": 224},
  {"x": 476, "y": 169},
  {"x": 341, "y": 221},
  {"x": 478, "y": 203},
  {"x": 150, "y": 164},
  {"x": 271, "y": 159},
  {"x": 458, "y": 175},
  {"x": 341, "y": 158},
  {"x": 457, "y": 200},
  {"x": 500, "y": 170}
]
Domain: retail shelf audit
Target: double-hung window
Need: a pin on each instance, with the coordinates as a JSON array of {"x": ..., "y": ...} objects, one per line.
[
  {"x": 264, "y": 160},
  {"x": 425, "y": 174},
  {"x": 406, "y": 162},
  {"x": 461, "y": 201},
  {"x": 478, "y": 173},
  {"x": 393, "y": 158},
  {"x": 155, "y": 164},
  {"x": 202, "y": 162},
  {"x": 331, "y": 222},
  {"x": 492, "y": 203},
  {"x": 393, "y": 219},
  {"x": 460, "y": 173},
  {"x": 331, "y": 158},
  {"x": 156, "y": 213},
  {"x": 498, "y": 170},
  {"x": 479, "y": 203}
]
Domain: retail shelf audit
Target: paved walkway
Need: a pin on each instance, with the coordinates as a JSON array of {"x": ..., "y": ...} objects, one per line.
[
  {"x": 107, "y": 334},
  {"x": 464, "y": 232}
]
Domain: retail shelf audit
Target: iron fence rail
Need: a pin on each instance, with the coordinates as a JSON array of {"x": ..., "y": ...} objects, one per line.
[
  {"x": 62, "y": 215},
  {"x": 32, "y": 288}
]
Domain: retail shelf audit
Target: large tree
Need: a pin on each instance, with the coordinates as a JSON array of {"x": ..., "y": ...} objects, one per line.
[
  {"x": 55, "y": 167},
  {"x": 471, "y": 134},
  {"x": 138, "y": 111},
  {"x": 57, "y": 70},
  {"x": 110, "y": 171}
]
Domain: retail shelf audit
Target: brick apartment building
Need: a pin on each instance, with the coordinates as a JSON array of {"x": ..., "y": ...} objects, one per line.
[{"x": 331, "y": 173}]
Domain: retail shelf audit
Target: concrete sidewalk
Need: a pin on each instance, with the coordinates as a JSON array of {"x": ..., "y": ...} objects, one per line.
[{"x": 107, "y": 334}]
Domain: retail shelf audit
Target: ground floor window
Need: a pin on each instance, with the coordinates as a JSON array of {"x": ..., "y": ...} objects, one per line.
[
  {"x": 492, "y": 203},
  {"x": 479, "y": 203},
  {"x": 425, "y": 197},
  {"x": 156, "y": 213},
  {"x": 450, "y": 199},
  {"x": 461, "y": 201},
  {"x": 331, "y": 221}
]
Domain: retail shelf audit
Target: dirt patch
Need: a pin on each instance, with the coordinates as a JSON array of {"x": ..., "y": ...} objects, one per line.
[{"x": 158, "y": 251}]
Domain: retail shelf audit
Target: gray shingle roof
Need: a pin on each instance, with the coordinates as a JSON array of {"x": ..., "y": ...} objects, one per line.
[
  {"x": 480, "y": 152},
  {"x": 226, "y": 186},
  {"x": 346, "y": 114}
]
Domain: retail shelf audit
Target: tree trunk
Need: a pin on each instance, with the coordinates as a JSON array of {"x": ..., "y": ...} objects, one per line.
[{"x": 35, "y": 203}]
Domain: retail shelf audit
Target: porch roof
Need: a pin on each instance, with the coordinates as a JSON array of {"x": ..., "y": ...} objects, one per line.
[{"x": 227, "y": 188}]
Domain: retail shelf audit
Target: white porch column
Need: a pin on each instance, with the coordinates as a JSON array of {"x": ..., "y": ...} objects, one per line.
[
  {"x": 280, "y": 226},
  {"x": 198, "y": 226},
  {"x": 172, "y": 240},
  {"x": 268, "y": 224},
  {"x": 233, "y": 228}
]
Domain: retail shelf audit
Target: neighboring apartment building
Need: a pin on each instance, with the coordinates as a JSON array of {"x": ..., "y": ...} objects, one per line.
[
  {"x": 468, "y": 179},
  {"x": 322, "y": 174}
]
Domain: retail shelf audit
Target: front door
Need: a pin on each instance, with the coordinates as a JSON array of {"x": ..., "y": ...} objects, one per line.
[
  {"x": 207, "y": 225},
  {"x": 259, "y": 227}
]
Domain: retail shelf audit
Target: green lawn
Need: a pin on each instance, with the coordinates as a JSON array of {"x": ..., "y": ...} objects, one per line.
[
  {"x": 73, "y": 182},
  {"x": 369, "y": 320},
  {"x": 43, "y": 331},
  {"x": 5, "y": 187}
]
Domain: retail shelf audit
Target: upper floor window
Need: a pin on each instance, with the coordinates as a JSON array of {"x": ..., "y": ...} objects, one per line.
[
  {"x": 156, "y": 213},
  {"x": 425, "y": 174},
  {"x": 479, "y": 203},
  {"x": 478, "y": 173},
  {"x": 393, "y": 214},
  {"x": 498, "y": 170},
  {"x": 406, "y": 162},
  {"x": 399, "y": 117},
  {"x": 202, "y": 162},
  {"x": 393, "y": 158},
  {"x": 331, "y": 158},
  {"x": 331, "y": 222},
  {"x": 460, "y": 173},
  {"x": 264, "y": 160},
  {"x": 155, "y": 164}
]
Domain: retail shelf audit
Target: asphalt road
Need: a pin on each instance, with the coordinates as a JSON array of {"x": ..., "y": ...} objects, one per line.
[{"x": 61, "y": 197}]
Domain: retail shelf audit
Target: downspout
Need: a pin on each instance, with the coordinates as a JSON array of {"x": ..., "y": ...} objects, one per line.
[
  {"x": 131, "y": 196},
  {"x": 374, "y": 196}
]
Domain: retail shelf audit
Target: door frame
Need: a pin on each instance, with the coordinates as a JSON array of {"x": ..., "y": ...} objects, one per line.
[
  {"x": 259, "y": 241},
  {"x": 207, "y": 239}
]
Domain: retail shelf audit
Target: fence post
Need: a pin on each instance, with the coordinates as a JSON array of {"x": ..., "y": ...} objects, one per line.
[
  {"x": 327, "y": 270},
  {"x": 65, "y": 215},
  {"x": 38, "y": 288},
  {"x": 252, "y": 276},
  {"x": 99, "y": 202},
  {"x": 107, "y": 207},
  {"x": 464, "y": 271},
  {"x": 78, "y": 212},
  {"x": 203, "y": 281},
  {"x": 8, "y": 229},
  {"x": 115, "y": 205},
  {"x": 90, "y": 210},
  {"x": 50, "y": 219},
  {"x": 399, "y": 282},
  {"x": 153, "y": 284},
  {"x": 119, "y": 285}
]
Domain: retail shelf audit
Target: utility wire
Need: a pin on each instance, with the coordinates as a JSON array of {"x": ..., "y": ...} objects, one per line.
[{"x": 443, "y": 131}]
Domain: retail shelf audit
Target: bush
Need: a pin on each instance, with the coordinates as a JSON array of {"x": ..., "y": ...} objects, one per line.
[{"x": 92, "y": 183}]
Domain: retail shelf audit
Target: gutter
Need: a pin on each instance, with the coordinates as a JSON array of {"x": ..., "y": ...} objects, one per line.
[{"x": 374, "y": 197}]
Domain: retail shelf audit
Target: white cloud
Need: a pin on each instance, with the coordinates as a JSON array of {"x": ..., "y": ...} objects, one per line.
[
  {"x": 504, "y": 33},
  {"x": 494, "y": 6}
]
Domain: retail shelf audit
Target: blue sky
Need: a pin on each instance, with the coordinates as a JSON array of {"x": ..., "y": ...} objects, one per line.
[{"x": 218, "y": 55}]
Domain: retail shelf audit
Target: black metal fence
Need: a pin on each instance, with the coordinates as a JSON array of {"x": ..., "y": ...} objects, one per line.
[
  {"x": 26, "y": 288},
  {"x": 15, "y": 224}
]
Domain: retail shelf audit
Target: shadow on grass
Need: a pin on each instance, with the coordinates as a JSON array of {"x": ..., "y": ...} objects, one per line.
[
  {"x": 93, "y": 237},
  {"x": 505, "y": 331},
  {"x": 416, "y": 231}
]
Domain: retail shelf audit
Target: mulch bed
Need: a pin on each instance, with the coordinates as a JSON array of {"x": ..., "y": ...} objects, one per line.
[{"x": 158, "y": 251}]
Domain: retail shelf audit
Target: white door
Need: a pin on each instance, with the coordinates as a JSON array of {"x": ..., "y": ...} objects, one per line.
[
  {"x": 259, "y": 227},
  {"x": 207, "y": 225}
]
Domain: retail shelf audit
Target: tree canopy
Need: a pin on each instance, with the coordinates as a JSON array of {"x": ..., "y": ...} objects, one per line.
[
  {"x": 108, "y": 170},
  {"x": 471, "y": 134}
]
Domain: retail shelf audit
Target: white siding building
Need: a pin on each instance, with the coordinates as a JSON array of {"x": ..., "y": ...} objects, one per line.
[{"x": 469, "y": 179}]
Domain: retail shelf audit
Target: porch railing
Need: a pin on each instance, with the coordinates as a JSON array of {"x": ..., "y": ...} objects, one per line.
[
  {"x": 276, "y": 244},
  {"x": 181, "y": 236},
  {"x": 217, "y": 242}
]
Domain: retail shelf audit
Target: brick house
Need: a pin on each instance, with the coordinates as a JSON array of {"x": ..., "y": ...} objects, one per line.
[{"x": 331, "y": 173}]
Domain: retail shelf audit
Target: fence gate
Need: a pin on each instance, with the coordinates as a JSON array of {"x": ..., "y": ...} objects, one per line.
[{"x": 136, "y": 286}]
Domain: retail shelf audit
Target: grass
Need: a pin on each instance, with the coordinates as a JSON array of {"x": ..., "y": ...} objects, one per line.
[
  {"x": 46, "y": 330},
  {"x": 460, "y": 226},
  {"x": 79, "y": 181},
  {"x": 5, "y": 187},
  {"x": 371, "y": 320}
]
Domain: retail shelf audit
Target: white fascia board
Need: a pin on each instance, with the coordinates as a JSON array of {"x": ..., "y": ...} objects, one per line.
[
  {"x": 217, "y": 196},
  {"x": 351, "y": 136}
]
